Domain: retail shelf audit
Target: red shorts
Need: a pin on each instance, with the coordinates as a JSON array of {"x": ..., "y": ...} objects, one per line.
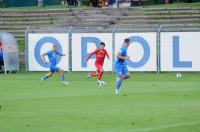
[{"x": 99, "y": 67}]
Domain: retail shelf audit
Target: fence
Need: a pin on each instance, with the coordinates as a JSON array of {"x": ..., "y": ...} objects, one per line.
[{"x": 152, "y": 49}]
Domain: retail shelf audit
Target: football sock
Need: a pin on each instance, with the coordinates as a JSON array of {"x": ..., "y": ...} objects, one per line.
[
  {"x": 100, "y": 75},
  {"x": 62, "y": 78},
  {"x": 119, "y": 82},
  {"x": 45, "y": 77}
]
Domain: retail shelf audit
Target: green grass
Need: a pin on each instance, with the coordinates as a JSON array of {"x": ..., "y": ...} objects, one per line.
[{"x": 147, "y": 103}]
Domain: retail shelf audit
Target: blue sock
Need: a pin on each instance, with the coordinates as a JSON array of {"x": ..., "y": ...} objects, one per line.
[
  {"x": 119, "y": 82},
  {"x": 62, "y": 78},
  {"x": 45, "y": 77}
]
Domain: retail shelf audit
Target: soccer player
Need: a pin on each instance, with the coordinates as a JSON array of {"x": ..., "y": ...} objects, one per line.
[
  {"x": 52, "y": 56},
  {"x": 100, "y": 57},
  {"x": 121, "y": 69}
]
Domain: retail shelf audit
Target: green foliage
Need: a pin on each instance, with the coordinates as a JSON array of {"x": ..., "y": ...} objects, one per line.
[
  {"x": 2, "y": 3},
  {"x": 85, "y": 2}
]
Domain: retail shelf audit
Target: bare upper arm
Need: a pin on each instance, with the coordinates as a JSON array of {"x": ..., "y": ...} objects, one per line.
[{"x": 43, "y": 54}]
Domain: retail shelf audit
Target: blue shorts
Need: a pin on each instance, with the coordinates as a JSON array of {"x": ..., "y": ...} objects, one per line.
[
  {"x": 54, "y": 69},
  {"x": 121, "y": 70}
]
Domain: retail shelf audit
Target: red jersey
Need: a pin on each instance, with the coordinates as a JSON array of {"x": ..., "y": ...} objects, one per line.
[{"x": 100, "y": 55}]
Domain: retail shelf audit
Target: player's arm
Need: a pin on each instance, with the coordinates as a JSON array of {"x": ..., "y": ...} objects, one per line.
[
  {"x": 90, "y": 55},
  {"x": 61, "y": 54},
  {"x": 119, "y": 56},
  {"x": 43, "y": 58},
  {"x": 107, "y": 55}
]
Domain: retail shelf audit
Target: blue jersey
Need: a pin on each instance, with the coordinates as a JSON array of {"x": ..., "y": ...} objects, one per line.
[
  {"x": 53, "y": 56},
  {"x": 124, "y": 54}
]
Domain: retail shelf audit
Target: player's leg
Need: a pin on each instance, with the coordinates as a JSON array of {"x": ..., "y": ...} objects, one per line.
[
  {"x": 49, "y": 74},
  {"x": 125, "y": 72},
  {"x": 118, "y": 71},
  {"x": 93, "y": 74},
  {"x": 62, "y": 78},
  {"x": 100, "y": 69},
  {"x": 122, "y": 74},
  {"x": 100, "y": 73},
  {"x": 100, "y": 76}
]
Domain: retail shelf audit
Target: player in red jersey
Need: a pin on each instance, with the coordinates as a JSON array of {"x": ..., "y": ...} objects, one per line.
[{"x": 100, "y": 57}]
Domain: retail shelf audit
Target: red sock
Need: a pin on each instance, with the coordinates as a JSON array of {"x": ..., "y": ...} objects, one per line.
[
  {"x": 100, "y": 75},
  {"x": 94, "y": 74}
]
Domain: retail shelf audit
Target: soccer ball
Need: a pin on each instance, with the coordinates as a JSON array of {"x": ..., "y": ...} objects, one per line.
[
  {"x": 178, "y": 75},
  {"x": 101, "y": 83}
]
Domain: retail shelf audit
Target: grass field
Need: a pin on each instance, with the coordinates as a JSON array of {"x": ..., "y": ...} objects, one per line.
[{"x": 147, "y": 103}]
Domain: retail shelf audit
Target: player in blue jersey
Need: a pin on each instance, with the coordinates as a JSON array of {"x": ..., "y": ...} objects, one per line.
[
  {"x": 121, "y": 69},
  {"x": 53, "y": 54}
]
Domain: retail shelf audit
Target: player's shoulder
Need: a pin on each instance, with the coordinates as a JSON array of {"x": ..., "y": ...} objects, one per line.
[
  {"x": 49, "y": 52},
  {"x": 104, "y": 50},
  {"x": 122, "y": 49},
  {"x": 97, "y": 50}
]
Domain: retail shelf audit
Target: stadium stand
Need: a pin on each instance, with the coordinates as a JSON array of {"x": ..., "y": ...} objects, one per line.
[{"x": 17, "y": 21}]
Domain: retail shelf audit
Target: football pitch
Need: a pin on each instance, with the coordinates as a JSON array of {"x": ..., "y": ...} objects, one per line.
[{"x": 148, "y": 102}]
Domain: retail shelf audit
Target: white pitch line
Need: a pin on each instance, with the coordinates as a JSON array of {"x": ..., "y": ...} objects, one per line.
[{"x": 164, "y": 126}]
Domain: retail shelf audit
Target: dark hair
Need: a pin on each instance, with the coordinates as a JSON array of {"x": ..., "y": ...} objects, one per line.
[
  {"x": 126, "y": 40},
  {"x": 102, "y": 43}
]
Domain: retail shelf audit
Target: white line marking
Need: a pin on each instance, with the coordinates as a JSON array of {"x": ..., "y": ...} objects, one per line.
[{"x": 164, "y": 126}]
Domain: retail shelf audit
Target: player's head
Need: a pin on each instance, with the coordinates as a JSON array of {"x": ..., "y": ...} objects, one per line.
[
  {"x": 102, "y": 45},
  {"x": 126, "y": 42},
  {"x": 54, "y": 47}
]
